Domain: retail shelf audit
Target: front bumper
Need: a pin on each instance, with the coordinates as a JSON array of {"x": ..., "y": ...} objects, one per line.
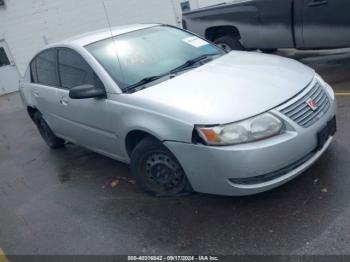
[{"x": 215, "y": 170}]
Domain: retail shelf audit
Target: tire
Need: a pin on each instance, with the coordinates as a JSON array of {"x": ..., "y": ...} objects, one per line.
[
  {"x": 157, "y": 171},
  {"x": 269, "y": 51},
  {"x": 228, "y": 43},
  {"x": 46, "y": 133}
]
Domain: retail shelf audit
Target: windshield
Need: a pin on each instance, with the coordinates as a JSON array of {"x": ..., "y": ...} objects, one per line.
[{"x": 133, "y": 57}]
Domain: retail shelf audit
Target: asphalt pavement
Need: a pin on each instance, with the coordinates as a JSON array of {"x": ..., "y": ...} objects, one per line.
[{"x": 73, "y": 201}]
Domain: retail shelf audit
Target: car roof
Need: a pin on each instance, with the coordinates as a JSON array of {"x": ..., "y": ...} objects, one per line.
[{"x": 95, "y": 36}]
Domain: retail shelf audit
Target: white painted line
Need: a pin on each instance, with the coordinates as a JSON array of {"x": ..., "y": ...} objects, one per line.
[
  {"x": 3, "y": 257},
  {"x": 342, "y": 94}
]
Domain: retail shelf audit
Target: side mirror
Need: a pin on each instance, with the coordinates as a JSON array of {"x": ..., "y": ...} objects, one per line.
[{"x": 86, "y": 91}]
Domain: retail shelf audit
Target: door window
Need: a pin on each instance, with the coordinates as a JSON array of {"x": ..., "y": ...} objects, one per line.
[
  {"x": 75, "y": 71},
  {"x": 4, "y": 60},
  {"x": 43, "y": 68}
]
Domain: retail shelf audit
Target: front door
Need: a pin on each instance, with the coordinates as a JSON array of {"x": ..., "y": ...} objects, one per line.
[
  {"x": 87, "y": 121},
  {"x": 9, "y": 76},
  {"x": 326, "y": 23}
]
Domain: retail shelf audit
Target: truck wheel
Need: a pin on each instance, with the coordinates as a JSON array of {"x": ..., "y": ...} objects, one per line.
[
  {"x": 228, "y": 43},
  {"x": 157, "y": 171},
  {"x": 269, "y": 51},
  {"x": 46, "y": 133}
]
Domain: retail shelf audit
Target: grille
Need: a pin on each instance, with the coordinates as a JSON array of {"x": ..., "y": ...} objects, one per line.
[{"x": 301, "y": 113}]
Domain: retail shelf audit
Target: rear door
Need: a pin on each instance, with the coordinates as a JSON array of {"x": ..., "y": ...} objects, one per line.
[
  {"x": 44, "y": 83},
  {"x": 326, "y": 23},
  {"x": 86, "y": 121}
]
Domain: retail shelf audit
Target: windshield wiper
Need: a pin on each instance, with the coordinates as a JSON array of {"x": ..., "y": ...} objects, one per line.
[
  {"x": 144, "y": 81},
  {"x": 191, "y": 62},
  {"x": 150, "y": 79}
]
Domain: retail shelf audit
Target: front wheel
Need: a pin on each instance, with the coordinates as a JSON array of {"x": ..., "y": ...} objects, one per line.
[{"x": 157, "y": 171}]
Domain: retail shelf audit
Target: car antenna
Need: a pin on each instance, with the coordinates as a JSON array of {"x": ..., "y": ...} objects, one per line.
[
  {"x": 107, "y": 17},
  {"x": 112, "y": 37}
]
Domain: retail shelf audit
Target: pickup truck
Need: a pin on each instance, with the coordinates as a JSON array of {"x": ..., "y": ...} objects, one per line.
[{"x": 271, "y": 24}]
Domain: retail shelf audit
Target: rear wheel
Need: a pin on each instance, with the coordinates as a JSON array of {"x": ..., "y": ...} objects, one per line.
[
  {"x": 157, "y": 171},
  {"x": 229, "y": 43},
  {"x": 46, "y": 133}
]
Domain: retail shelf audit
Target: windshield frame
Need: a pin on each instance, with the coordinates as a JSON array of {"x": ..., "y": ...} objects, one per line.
[{"x": 124, "y": 90}]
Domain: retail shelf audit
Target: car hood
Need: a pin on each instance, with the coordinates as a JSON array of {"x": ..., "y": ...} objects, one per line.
[{"x": 233, "y": 87}]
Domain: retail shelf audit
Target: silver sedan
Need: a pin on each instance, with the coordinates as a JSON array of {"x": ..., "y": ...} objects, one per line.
[{"x": 185, "y": 114}]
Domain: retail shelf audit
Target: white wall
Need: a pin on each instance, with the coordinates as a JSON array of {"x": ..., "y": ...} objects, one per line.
[{"x": 28, "y": 25}]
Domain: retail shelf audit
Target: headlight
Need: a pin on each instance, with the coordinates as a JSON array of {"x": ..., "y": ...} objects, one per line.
[
  {"x": 326, "y": 86},
  {"x": 257, "y": 128}
]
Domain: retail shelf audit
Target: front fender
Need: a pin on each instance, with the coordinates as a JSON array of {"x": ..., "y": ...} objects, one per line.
[{"x": 132, "y": 118}]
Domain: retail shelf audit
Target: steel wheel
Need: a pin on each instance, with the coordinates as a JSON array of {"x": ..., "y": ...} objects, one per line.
[
  {"x": 163, "y": 173},
  {"x": 157, "y": 170}
]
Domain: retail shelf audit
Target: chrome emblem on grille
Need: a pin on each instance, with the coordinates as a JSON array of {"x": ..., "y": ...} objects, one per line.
[{"x": 312, "y": 104}]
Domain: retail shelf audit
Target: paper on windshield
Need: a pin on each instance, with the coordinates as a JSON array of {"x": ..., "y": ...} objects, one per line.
[{"x": 195, "y": 41}]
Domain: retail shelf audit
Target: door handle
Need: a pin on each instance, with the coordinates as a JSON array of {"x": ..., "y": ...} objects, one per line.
[
  {"x": 35, "y": 93},
  {"x": 64, "y": 101},
  {"x": 316, "y": 3}
]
